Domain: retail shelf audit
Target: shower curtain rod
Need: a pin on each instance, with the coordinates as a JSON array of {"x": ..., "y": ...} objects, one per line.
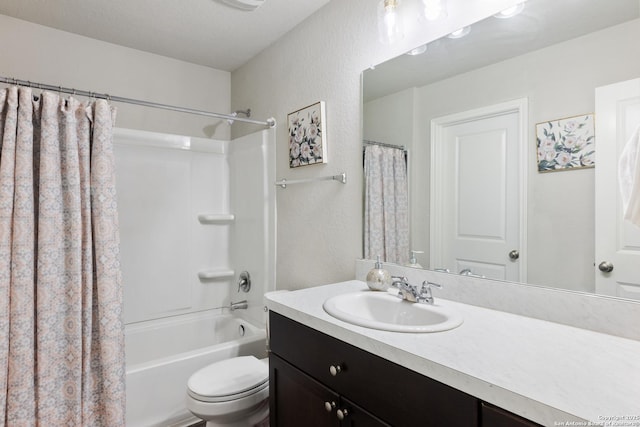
[
  {"x": 384, "y": 144},
  {"x": 271, "y": 122}
]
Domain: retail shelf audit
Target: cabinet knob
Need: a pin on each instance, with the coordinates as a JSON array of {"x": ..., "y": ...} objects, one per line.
[
  {"x": 342, "y": 414},
  {"x": 335, "y": 370},
  {"x": 329, "y": 406}
]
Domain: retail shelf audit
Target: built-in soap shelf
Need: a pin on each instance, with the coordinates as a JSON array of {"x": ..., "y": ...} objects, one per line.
[
  {"x": 212, "y": 218},
  {"x": 219, "y": 273},
  {"x": 208, "y": 275}
]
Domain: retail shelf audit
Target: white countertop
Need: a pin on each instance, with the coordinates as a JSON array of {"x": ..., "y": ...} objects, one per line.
[{"x": 549, "y": 373}]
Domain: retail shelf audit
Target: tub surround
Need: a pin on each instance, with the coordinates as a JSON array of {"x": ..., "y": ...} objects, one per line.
[{"x": 546, "y": 372}]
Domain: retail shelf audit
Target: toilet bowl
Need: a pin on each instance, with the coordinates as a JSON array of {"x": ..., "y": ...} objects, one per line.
[{"x": 231, "y": 393}]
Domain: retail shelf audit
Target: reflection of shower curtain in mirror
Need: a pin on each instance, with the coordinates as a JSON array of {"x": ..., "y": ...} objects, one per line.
[{"x": 386, "y": 206}]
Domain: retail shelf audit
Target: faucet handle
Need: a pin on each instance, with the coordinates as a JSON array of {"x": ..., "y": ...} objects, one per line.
[
  {"x": 244, "y": 282},
  {"x": 428, "y": 285},
  {"x": 425, "y": 291}
]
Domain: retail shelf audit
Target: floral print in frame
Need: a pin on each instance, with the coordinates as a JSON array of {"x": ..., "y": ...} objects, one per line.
[
  {"x": 566, "y": 144},
  {"x": 307, "y": 136}
]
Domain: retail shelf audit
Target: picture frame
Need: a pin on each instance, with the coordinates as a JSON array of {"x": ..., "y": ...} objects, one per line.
[
  {"x": 566, "y": 144},
  {"x": 307, "y": 135}
]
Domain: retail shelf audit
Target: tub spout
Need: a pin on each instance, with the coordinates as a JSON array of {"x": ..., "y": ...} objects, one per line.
[{"x": 240, "y": 305}]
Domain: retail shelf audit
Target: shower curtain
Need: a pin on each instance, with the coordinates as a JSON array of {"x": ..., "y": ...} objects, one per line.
[
  {"x": 61, "y": 330},
  {"x": 386, "y": 210}
]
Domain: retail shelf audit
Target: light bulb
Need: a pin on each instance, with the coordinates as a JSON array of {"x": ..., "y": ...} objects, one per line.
[
  {"x": 389, "y": 22},
  {"x": 434, "y": 9}
]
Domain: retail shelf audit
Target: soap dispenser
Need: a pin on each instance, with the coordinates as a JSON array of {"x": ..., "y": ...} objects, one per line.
[
  {"x": 378, "y": 279},
  {"x": 413, "y": 262}
]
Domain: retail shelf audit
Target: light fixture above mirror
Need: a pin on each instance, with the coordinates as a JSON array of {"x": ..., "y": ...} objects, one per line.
[
  {"x": 395, "y": 17},
  {"x": 389, "y": 21},
  {"x": 434, "y": 9}
]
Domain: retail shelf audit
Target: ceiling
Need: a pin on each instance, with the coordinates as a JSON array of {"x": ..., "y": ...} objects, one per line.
[{"x": 205, "y": 32}]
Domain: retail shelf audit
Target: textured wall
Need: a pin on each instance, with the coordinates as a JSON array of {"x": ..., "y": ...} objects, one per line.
[
  {"x": 320, "y": 224},
  {"x": 45, "y": 55}
]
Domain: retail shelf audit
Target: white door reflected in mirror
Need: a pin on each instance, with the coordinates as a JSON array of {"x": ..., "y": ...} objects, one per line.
[
  {"x": 477, "y": 178},
  {"x": 617, "y": 241}
]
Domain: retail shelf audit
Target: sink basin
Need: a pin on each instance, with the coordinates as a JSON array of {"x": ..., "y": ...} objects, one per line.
[{"x": 384, "y": 311}]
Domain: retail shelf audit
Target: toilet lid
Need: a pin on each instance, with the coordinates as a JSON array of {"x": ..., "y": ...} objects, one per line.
[{"x": 229, "y": 379}]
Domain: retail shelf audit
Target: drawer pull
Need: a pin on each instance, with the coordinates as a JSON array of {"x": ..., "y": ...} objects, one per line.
[
  {"x": 335, "y": 370},
  {"x": 342, "y": 414},
  {"x": 329, "y": 406}
]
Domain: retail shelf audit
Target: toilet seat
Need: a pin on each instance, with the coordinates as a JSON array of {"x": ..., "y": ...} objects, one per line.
[{"x": 229, "y": 380}]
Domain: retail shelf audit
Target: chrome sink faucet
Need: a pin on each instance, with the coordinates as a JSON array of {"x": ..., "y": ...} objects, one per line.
[{"x": 411, "y": 293}]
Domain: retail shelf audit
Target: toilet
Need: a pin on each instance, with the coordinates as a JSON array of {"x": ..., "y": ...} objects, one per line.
[{"x": 231, "y": 393}]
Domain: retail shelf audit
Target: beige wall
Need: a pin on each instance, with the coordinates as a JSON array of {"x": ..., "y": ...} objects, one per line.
[
  {"x": 320, "y": 224},
  {"x": 45, "y": 55}
]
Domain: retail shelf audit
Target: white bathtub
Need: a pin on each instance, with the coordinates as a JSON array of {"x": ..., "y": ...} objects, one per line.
[{"x": 162, "y": 354}]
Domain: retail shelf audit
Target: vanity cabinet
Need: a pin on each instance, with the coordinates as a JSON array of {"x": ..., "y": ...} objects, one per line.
[
  {"x": 309, "y": 370},
  {"x": 318, "y": 380}
]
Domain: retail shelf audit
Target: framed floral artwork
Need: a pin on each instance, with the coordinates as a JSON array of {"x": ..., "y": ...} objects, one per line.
[
  {"x": 307, "y": 136},
  {"x": 566, "y": 144}
]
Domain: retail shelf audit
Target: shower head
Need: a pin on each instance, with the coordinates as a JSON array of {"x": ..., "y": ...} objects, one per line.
[{"x": 246, "y": 113}]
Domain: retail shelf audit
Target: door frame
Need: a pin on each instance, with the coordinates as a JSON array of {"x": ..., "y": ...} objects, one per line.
[{"x": 436, "y": 214}]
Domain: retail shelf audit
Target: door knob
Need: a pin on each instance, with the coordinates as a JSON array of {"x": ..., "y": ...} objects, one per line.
[
  {"x": 514, "y": 254},
  {"x": 605, "y": 267}
]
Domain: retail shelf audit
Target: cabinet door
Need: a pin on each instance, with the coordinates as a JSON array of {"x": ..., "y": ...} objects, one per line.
[
  {"x": 358, "y": 417},
  {"x": 297, "y": 400},
  {"x": 493, "y": 416}
]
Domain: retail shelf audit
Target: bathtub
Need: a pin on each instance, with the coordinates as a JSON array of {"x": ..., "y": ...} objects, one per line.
[{"x": 162, "y": 354}]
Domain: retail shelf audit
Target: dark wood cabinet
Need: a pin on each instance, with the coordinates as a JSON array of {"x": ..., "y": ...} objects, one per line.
[
  {"x": 307, "y": 367},
  {"x": 297, "y": 399},
  {"x": 316, "y": 380}
]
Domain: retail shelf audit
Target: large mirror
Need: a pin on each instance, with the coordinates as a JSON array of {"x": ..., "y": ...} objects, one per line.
[{"x": 545, "y": 63}]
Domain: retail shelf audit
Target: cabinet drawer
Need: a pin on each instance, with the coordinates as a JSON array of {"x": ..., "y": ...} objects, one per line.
[{"x": 395, "y": 394}]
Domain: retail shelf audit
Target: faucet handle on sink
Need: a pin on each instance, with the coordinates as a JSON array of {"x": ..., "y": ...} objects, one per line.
[{"x": 425, "y": 295}]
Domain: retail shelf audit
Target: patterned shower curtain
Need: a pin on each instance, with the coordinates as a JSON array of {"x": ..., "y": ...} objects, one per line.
[
  {"x": 386, "y": 204},
  {"x": 61, "y": 329}
]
